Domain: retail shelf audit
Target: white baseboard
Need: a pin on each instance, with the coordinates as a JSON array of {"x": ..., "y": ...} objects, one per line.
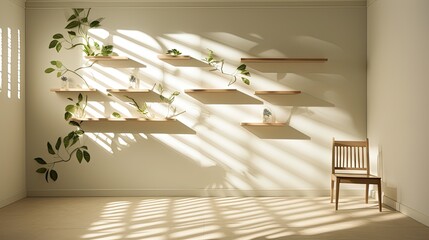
[
  {"x": 12, "y": 199},
  {"x": 185, "y": 193},
  {"x": 410, "y": 212}
]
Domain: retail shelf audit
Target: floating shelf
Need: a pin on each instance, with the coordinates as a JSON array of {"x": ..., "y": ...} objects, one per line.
[
  {"x": 115, "y": 61},
  {"x": 92, "y": 93},
  {"x": 274, "y": 131},
  {"x": 221, "y": 96},
  {"x": 283, "y": 60},
  {"x": 182, "y": 61},
  {"x": 140, "y": 95},
  {"x": 134, "y": 125},
  {"x": 73, "y": 90},
  {"x": 278, "y": 93},
  {"x": 287, "y": 65},
  {"x": 292, "y": 98}
]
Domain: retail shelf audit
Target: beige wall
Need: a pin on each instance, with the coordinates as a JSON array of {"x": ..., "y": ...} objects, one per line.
[
  {"x": 222, "y": 158},
  {"x": 398, "y": 112},
  {"x": 12, "y": 127}
]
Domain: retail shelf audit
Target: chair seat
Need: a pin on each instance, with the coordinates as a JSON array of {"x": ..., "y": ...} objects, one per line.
[
  {"x": 355, "y": 178},
  {"x": 354, "y": 175}
]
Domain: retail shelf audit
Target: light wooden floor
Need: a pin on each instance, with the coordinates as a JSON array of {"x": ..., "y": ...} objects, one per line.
[{"x": 203, "y": 218}]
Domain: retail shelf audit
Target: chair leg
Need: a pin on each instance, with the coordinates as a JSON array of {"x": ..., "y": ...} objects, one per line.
[
  {"x": 332, "y": 191},
  {"x": 379, "y": 196},
  {"x": 337, "y": 193},
  {"x": 366, "y": 193}
]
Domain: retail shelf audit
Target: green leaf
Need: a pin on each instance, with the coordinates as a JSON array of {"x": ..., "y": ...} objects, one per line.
[
  {"x": 67, "y": 116},
  {"x": 80, "y": 97},
  {"x": 71, "y": 135},
  {"x": 77, "y": 11},
  {"x": 241, "y": 67},
  {"x": 116, "y": 115},
  {"x": 245, "y": 80},
  {"x": 85, "y": 20},
  {"x": 94, "y": 23},
  {"x": 74, "y": 141},
  {"x": 96, "y": 45},
  {"x": 84, "y": 147},
  {"x": 66, "y": 141},
  {"x": 59, "y": 64},
  {"x": 86, "y": 156},
  {"x": 106, "y": 50},
  {"x": 58, "y": 144},
  {"x": 49, "y": 70},
  {"x": 47, "y": 176},
  {"x": 74, "y": 123},
  {"x": 70, "y": 108},
  {"x": 71, "y": 17},
  {"x": 50, "y": 149},
  {"x": 79, "y": 155},
  {"x": 71, "y": 99},
  {"x": 53, "y": 174},
  {"x": 40, "y": 160},
  {"x": 59, "y": 74},
  {"x": 58, "y": 36},
  {"x": 58, "y": 47},
  {"x": 53, "y": 43},
  {"x": 79, "y": 132},
  {"x": 42, "y": 170},
  {"x": 246, "y": 73},
  {"x": 72, "y": 24},
  {"x": 72, "y": 33}
]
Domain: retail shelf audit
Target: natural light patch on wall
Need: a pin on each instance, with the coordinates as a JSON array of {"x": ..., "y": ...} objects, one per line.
[
  {"x": 9, "y": 63},
  {"x": 103, "y": 140},
  {"x": 19, "y": 64},
  {"x": 141, "y": 38}
]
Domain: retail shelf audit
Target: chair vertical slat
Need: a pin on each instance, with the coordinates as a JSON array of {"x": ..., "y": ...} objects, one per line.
[{"x": 355, "y": 159}]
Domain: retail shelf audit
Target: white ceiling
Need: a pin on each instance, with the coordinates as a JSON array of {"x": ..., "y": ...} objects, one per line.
[{"x": 188, "y": 3}]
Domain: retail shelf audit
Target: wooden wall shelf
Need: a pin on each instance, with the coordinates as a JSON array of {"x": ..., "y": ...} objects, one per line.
[
  {"x": 115, "y": 61},
  {"x": 279, "y": 93},
  {"x": 283, "y": 60},
  {"x": 134, "y": 125},
  {"x": 274, "y": 130},
  {"x": 292, "y": 98},
  {"x": 287, "y": 65},
  {"x": 92, "y": 93},
  {"x": 73, "y": 90},
  {"x": 182, "y": 61},
  {"x": 221, "y": 96},
  {"x": 140, "y": 95}
]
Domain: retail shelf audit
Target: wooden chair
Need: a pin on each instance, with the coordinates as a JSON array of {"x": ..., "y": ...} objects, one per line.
[{"x": 350, "y": 164}]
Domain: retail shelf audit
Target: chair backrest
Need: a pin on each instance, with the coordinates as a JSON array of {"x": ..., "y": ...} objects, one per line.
[{"x": 350, "y": 155}]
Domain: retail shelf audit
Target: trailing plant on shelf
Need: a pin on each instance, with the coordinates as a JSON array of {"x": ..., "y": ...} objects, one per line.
[
  {"x": 173, "y": 52},
  {"x": 77, "y": 109},
  {"x": 218, "y": 65},
  {"x": 142, "y": 109},
  {"x": 78, "y": 26},
  {"x": 66, "y": 148},
  {"x": 62, "y": 70},
  {"x": 171, "y": 110}
]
